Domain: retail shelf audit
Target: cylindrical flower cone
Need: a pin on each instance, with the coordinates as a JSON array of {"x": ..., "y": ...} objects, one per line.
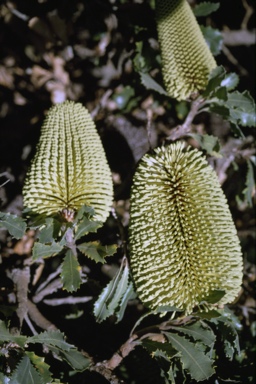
[
  {"x": 70, "y": 168},
  {"x": 183, "y": 242}
]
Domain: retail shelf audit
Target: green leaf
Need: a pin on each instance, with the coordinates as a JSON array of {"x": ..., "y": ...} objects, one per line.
[
  {"x": 51, "y": 339},
  {"x": 14, "y": 224},
  {"x": 4, "y": 379},
  {"x": 230, "y": 81},
  {"x": 205, "y": 8},
  {"x": 44, "y": 250},
  {"x": 217, "y": 75},
  {"x": 198, "y": 331},
  {"x": 157, "y": 349},
  {"x": 228, "y": 334},
  {"x": 130, "y": 294},
  {"x": 122, "y": 98},
  {"x": 97, "y": 252},
  {"x": 50, "y": 231},
  {"x": 241, "y": 108},
  {"x": 209, "y": 314},
  {"x": 25, "y": 373},
  {"x": 150, "y": 83},
  {"x": 109, "y": 299},
  {"x": 84, "y": 211},
  {"x": 195, "y": 361},
  {"x": 41, "y": 366},
  {"x": 209, "y": 143},
  {"x": 214, "y": 39},
  {"x": 6, "y": 336},
  {"x": 71, "y": 272},
  {"x": 214, "y": 296},
  {"x": 77, "y": 361},
  {"x": 86, "y": 226}
]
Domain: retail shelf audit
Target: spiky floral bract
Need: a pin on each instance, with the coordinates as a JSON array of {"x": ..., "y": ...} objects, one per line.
[
  {"x": 183, "y": 242},
  {"x": 70, "y": 168},
  {"x": 186, "y": 58}
]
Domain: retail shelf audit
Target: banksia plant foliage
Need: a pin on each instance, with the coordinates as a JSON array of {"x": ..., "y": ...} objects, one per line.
[
  {"x": 183, "y": 241},
  {"x": 69, "y": 169},
  {"x": 186, "y": 58}
]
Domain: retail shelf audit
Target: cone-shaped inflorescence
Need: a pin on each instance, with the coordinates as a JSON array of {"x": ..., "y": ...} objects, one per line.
[
  {"x": 70, "y": 168},
  {"x": 186, "y": 58},
  {"x": 183, "y": 242}
]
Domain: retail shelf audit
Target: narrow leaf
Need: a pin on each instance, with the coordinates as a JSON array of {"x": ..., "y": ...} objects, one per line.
[
  {"x": 214, "y": 39},
  {"x": 209, "y": 143},
  {"x": 205, "y": 8},
  {"x": 216, "y": 77},
  {"x": 71, "y": 272},
  {"x": 214, "y": 296},
  {"x": 41, "y": 366},
  {"x": 230, "y": 81},
  {"x": 150, "y": 83},
  {"x": 6, "y": 336},
  {"x": 86, "y": 226},
  {"x": 51, "y": 339},
  {"x": 45, "y": 250},
  {"x": 14, "y": 224},
  {"x": 195, "y": 361},
  {"x": 111, "y": 295},
  {"x": 130, "y": 294},
  {"x": 198, "y": 331},
  {"x": 50, "y": 231},
  {"x": 97, "y": 252},
  {"x": 76, "y": 360},
  {"x": 25, "y": 373}
]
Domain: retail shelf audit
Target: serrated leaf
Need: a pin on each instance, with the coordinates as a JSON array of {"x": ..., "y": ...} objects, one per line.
[
  {"x": 205, "y": 8},
  {"x": 76, "y": 360},
  {"x": 208, "y": 142},
  {"x": 50, "y": 231},
  {"x": 195, "y": 361},
  {"x": 242, "y": 101},
  {"x": 97, "y": 252},
  {"x": 6, "y": 336},
  {"x": 41, "y": 366},
  {"x": 231, "y": 81},
  {"x": 150, "y": 83},
  {"x": 130, "y": 294},
  {"x": 86, "y": 211},
  {"x": 198, "y": 331},
  {"x": 51, "y": 339},
  {"x": 86, "y": 226},
  {"x": 214, "y": 39},
  {"x": 228, "y": 334},
  {"x": 70, "y": 272},
  {"x": 44, "y": 250},
  {"x": 110, "y": 298},
  {"x": 157, "y": 349},
  {"x": 25, "y": 373},
  {"x": 209, "y": 314},
  {"x": 217, "y": 75},
  {"x": 14, "y": 224},
  {"x": 122, "y": 98}
]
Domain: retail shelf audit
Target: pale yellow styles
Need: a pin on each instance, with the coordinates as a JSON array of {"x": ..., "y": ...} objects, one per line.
[
  {"x": 183, "y": 242},
  {"x": 186, "y": 58},
  {"x": 70, "y": 168}
]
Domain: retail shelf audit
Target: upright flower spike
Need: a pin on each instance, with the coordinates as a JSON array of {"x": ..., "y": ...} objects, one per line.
[
  {"x": 183, "y": 242},
  {"x": 186, "y": 58},
  {"x": 70, "y": 168}
]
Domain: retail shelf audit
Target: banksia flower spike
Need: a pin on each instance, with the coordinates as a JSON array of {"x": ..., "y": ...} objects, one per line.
[
  {"x": 70, "y": 168},
  {"x": 186, "y": 58},
  {"x": 183, "y": 242}
]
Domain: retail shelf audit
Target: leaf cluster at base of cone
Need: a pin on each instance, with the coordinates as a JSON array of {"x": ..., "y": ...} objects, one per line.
[
  {"x": 70, "y": 168},
  {"x": 183, "y": 242},
  {"x": 186, "y": 58}
]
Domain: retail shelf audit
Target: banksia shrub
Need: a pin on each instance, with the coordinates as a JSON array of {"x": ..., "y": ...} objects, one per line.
[
  {"x": 70, "y": 168},
  {"x": 183, "y": 242},
  {"x": 186, "y": 58}
]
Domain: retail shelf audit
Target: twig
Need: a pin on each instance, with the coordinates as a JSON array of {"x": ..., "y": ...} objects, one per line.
[
  {"x": 67, "y": 300},
  {"x": 38, "y": 318},
  {"x": 121, "y": 231},
  {"x": 248, "y": 13},
  {"x": 182, "y": 130}
]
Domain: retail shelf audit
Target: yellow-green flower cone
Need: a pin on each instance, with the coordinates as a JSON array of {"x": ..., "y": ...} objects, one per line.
[
  {"x": 186, "y": 58},
  {"x": 183, "y": 242},
  {"x": 70, "y": 168}
]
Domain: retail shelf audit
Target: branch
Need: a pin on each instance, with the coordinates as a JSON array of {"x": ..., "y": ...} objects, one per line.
[
  {"x": 239, "y": 37},
  {"x": 182, "y": 130}
]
